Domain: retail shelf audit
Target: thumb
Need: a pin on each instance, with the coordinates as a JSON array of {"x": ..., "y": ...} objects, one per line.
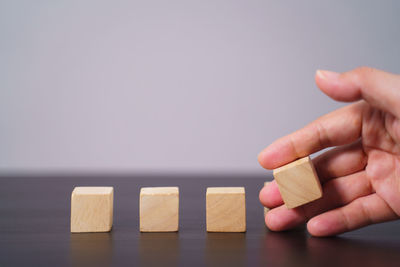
[{"x": 380, "y": 89}]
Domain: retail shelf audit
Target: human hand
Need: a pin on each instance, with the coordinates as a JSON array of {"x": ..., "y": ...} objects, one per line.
[{"x": 361, "y": 175}]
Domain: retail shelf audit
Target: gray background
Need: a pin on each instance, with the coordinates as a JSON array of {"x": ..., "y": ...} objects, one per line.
[{"x": 173, "y": 86}]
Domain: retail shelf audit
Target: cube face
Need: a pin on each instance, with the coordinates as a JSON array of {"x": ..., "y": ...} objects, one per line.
[
  {"x": 159, "y": 209},
  {"x": 226, "y": 209},
  {"x": 92, "y": 209},
  {"x": 298, "y": 183}
]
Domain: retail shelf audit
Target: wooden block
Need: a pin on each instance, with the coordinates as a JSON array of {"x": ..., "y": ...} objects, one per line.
[
  {"x": 298, "y": 183},
  {"x": 265, "y": 208},
  {"x": 159, "y": 209},
  {"x": 92, "y": 209},
  {"x": 226, "y": 209}
]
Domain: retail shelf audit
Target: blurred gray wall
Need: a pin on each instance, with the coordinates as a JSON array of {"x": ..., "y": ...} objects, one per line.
[{"x": 172, "y": 86}]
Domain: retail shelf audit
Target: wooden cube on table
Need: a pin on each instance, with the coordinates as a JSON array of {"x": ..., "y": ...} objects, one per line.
[
  {"x": 159, "y": 209},
  {"x": 298, "y": 182},
  {"x": 92, "y": 209},
  {"x": 226, "y": 209}
]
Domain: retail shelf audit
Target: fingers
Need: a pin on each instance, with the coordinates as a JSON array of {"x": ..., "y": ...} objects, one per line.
[
  {"x": 361, "y": 212},
  {"x": 378, "y": 88},
  {"x": 340, "y": 161},
  {"x": 337, "y": 192},
  {"x": 270, "y": 196},
  {"x": 340, "y": 127}
]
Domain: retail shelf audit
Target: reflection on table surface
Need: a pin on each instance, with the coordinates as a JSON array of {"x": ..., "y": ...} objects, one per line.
[
  {"x": 292, "y": 248},
  {"x": 156, "y": 248},
  {"x": 225, "y": 249},
  {"x": 35, "y": 230},
  {"x": 91, "y": 249},
  {"x": 300, "y": 249}
]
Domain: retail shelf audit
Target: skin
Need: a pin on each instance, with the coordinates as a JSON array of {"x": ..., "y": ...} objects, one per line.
[{"x": 360, "y": 176}]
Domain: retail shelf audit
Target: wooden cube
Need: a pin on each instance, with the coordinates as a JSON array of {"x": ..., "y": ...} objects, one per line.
[
  {"x": 298, "y": 183},
  {"x": 159, "y": 209},
  {"x": 92, "y": 209},
  {"x": 226, "y": 209}
]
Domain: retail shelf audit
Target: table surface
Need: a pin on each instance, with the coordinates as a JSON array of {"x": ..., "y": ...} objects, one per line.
[{"x": 35, "y": 224}]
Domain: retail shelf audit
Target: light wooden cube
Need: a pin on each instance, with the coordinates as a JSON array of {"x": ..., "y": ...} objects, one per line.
[
  {"x": 159, "y": 209},
  {"x": 92, "y": 209},
  {"x": 265, "y": 208},
  {"x": 226, "y": 209},
  {"x": 298, "y": 183}
]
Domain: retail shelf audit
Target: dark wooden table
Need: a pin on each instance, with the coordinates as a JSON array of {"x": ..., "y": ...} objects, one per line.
[{"x": 35, "y": 213}]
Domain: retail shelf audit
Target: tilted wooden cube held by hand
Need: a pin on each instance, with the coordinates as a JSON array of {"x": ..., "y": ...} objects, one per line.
[
  {"x": 92, "y": 209},
  {"x": 159, "y": 209},
  {"x": 226, "y": 209},
  {"x": 298, "y": 182}
]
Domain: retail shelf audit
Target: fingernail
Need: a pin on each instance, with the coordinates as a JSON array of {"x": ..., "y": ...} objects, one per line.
[{"x": 327, "y": 75}]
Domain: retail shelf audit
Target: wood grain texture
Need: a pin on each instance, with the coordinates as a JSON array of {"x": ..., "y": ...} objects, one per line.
[
  {"x": 92, "y": 209},
  {"x": 298, "y": 182},
  {"x": 226, "y": 209},
  {"x": 159, "y": 209}
]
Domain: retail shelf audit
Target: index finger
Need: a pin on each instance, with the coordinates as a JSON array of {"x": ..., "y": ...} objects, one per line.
[{"x": 339, "y": 127}]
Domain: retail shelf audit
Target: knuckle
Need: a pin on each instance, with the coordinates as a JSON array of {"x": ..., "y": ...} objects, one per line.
[
  {"x": 365, "y": 211},
  {"x": 346, "y": 221},
  {"x": 362, "y": 73}
]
